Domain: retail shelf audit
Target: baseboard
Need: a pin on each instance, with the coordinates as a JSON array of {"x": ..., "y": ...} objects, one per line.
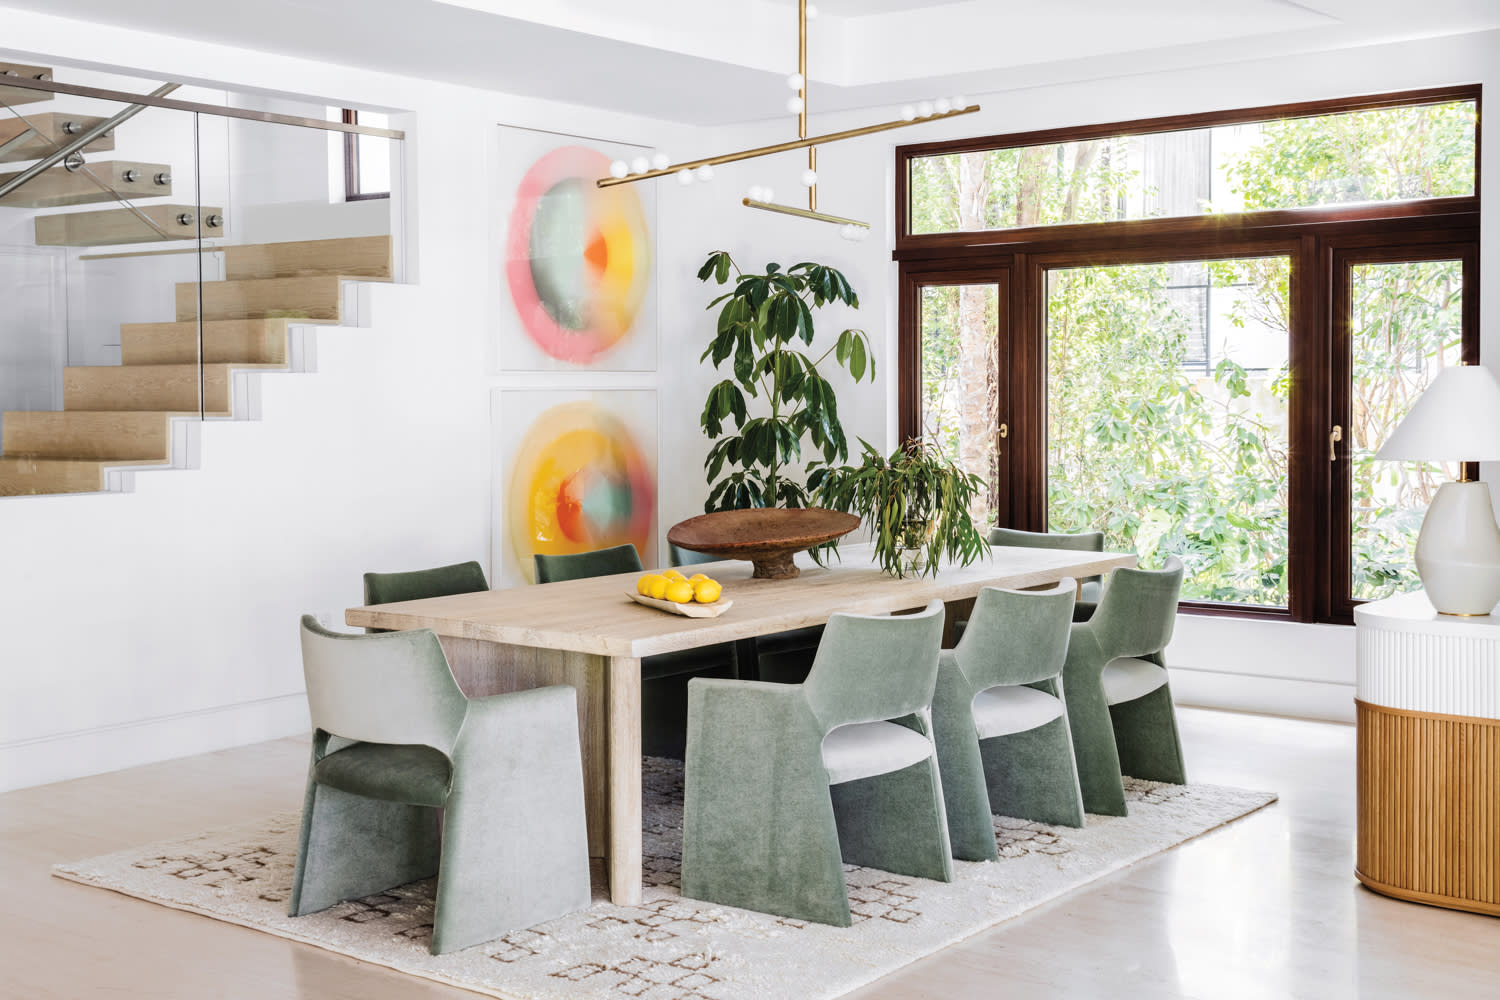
[
  {"x": 80, "y": 753},
  {"x": 1327, "y": 701}
]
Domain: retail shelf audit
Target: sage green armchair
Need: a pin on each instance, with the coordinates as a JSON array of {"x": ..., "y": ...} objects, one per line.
[
  {"x": 505, "y": 772},
  {"x": 1084, "y": 541},
  {"x": 1119, "y": 702},
  {"x": 414, "y": 585},
  {"x": 687, "y": 557},
  {"x": 785, "y": 782},
  {"x": 664, "y": 677},
  {"x": 1000, "y": 720}
]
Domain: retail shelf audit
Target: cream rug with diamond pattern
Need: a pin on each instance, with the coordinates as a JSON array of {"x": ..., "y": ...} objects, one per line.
[{"x": 669, "y": 948}]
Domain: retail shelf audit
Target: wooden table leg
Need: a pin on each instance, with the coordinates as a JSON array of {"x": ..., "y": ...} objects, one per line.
[{"x": 624, "y": 728}]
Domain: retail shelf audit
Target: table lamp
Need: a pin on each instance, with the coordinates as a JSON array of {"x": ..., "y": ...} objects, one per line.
[{"x": 1457, "y": 419}]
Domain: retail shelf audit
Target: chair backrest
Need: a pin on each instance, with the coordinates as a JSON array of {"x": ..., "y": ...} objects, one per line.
[
  {"x": 1016, "y": 637},
  {"x": 873, "y": 667},
  {"x": 390, "y": 688},
  {"x": 1138, "y": 609},
  {"x": 1084, "y": 541},
  {"x": 687, "y": 557},
  {"x": 578, "y": 565},
  {"x": 413, "y": 585}
]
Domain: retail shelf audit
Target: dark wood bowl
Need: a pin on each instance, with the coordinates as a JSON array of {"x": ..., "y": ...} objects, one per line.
[{"x": 766, "y": 536}]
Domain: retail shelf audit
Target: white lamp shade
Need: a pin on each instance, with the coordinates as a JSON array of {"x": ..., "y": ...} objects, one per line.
[{"x": 1456, "y": 420}]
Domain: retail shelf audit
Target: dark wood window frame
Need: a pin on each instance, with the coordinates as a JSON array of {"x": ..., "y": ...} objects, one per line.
[
  {"x": 1319, "y": 243},
  {"x": 351, "y": 163}
]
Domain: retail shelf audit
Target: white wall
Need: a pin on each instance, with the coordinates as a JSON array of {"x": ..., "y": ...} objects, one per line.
[
  {"x": 163, "y": 622},
  {"x": 1274, "y": 667}
]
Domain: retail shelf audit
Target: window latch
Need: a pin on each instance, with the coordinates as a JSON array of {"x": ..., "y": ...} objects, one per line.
[
  {"x": 1334, "y": 437},
  {"x": 1004, "y": 431}
]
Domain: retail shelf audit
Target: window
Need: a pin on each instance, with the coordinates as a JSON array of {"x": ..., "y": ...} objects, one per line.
[
  {"x": 1194, "y": 333},
  {"x": 367, "y": 158}
]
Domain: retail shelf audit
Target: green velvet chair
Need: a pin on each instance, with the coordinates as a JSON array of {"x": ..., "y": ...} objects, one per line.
[
  {"x": 1119, "y": 702},
  {"x": 664, "y": 677},
  {"x": 414, "y": 585},
  {"x": 687, "y": 557},
  {"x": 505, "y": 773},
  {"x": 785, "y": 782},
  {"x": 1084, "y": 541},
  {"x": 1000, "y": 721}
]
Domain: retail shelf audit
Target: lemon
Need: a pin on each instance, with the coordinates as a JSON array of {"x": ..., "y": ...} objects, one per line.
[
  {"x": 643, "y": 585},
  {"x": 659, "y": 585},
  {"x": 698, "y": 578},
  {"x": 680, "y": 592},
  {"x": 673, "y": 574},
  {"x": 707, "y": 591}
]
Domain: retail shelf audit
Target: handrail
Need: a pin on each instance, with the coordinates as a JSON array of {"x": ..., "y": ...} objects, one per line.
[
  {"x": 125, "y": 97},
  {"x": 62, "y": 152}
]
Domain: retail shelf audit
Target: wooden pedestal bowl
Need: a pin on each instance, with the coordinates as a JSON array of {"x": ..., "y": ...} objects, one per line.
[{"x": 766, "y": 536}]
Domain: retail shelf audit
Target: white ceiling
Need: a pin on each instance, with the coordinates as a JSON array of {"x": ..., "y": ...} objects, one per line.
[{"x": 722, "y": 61}]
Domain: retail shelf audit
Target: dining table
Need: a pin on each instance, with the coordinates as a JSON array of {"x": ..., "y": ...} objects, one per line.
[{"x": 591, "y": 634}]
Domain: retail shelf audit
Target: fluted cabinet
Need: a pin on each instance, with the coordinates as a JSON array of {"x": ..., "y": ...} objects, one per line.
[{"x": 1428, "y": 715}]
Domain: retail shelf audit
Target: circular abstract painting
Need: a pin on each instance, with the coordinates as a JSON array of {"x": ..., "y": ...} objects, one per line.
[
  {"x": 580, "y": 481},
  {"x": 578, "y": 257}
]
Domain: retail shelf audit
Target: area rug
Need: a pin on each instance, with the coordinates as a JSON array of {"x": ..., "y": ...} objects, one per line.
[{"x": 668, "y": 947}]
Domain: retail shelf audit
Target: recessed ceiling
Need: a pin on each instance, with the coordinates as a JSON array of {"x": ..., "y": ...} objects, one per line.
[{"x": 717, "y": 63}]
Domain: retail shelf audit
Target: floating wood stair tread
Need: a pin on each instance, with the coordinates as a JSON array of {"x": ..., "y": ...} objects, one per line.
[
  {"x": 114, "y": 226},
  {"x": 41, "y": 133},
  {"x": 18, "y": 95},
  {"x": 117, "y": 435},
  {"x": 367, "y": 258},
  {"x": 234, "y": 341},
  {"x": 24, "y": 476},
  {"x": 60, "y": 186},
  {"x": 147, "y": 387},
  {"x": 304, "y": 299}
]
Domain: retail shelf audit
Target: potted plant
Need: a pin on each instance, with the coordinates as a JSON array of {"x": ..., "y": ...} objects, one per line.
[
  {"x": 916, "y": 502},
  {"x": 764, "y": 326}
]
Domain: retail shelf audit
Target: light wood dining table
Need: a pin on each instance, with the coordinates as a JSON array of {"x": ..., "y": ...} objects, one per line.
[{"x": 590, "y": 634}]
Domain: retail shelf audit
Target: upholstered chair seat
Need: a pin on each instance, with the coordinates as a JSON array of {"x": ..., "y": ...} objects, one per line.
[
  {"x": 415, "y": 774},
  {"x": 785, "y": 783},
  {"x": 1000, "y": 718},
  {"x": 1127, "y": 678}
]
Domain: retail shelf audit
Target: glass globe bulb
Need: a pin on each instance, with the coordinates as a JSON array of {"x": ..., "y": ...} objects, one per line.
[
  {"x": 859, "y": 233},
  {"x": 908, "y": 112},
  {"x": 794, "y": 104},
  {"x": 640, "y": 165},
  {"x": 660, "y": 161},
  {"x": 706, "y": 172},
  {"x": 619, "y": 168},
  {"x": 756, "y": 193},
  {"x": 769, "y": 194},
  {"x": 809, "y": 178},
  {"x": 942, "y": 105},
  {"x": 924, "y": 110},
  {"x": 684, "y": 177},
  {"x": 795, "y": 81},
  {"x": 960, "y": 102}
]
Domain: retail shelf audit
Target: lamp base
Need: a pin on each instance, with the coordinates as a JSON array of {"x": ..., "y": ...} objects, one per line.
[{"x": 1458, "y": 551}]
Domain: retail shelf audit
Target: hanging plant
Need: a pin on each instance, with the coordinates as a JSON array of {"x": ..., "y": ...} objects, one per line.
[{"x": 764, "y": 325}]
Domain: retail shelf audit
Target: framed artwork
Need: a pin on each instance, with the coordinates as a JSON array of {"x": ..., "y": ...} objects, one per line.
[
  {"x": 575, "y": 471},
  {"x": 577, "y": 281}
]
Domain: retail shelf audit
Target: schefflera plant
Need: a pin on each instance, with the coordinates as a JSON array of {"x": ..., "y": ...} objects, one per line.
[{"x": 764, "y": 325}]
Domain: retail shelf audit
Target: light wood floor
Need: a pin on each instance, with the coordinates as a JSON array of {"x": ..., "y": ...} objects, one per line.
[{"x": 1267, "y": 907}]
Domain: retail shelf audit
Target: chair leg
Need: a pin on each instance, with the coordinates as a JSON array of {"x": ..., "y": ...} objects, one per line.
[
  {"x": 352, "y": 847},
  {"x": 1147, "y": 739},
  {"x": 1094, "y": 750},
  {"x": 1033, "y": 775},
  {"x": 896, "y": 822},
  {"x": 971, "y": 832},
  {"x": 515, "y": 845}
]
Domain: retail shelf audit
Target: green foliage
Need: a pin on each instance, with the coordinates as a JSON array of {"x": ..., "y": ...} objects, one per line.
[
  {"x": 763, "y": 326},
  {"x": 915, "y": 499}
]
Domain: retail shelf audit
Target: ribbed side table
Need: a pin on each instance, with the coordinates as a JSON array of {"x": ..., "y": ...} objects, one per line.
[{"x": 1427, "y": 697}]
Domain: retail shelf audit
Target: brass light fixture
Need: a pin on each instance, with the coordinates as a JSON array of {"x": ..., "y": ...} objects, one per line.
[{"x": 660, "y": 165}]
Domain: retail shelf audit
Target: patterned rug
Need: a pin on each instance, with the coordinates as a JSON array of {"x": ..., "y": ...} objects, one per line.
[{"x": 668, "y": 947}]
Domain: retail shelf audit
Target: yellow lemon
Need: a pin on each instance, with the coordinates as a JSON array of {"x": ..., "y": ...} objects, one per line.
[
  {"x": 643, "y": 585},
  {"x": 698, "y": 578},
  {"x": 659, "y": 585},
  {"x": 673, "y": 574},
  {"x": 679, "y": 592},
  {"x": 707, "y": 591}
]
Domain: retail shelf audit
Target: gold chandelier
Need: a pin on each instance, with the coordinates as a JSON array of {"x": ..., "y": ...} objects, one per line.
[{"x": 660, "y": 165}]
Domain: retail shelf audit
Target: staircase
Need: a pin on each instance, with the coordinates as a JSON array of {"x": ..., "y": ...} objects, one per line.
[{"x": 122, "y": 417}]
